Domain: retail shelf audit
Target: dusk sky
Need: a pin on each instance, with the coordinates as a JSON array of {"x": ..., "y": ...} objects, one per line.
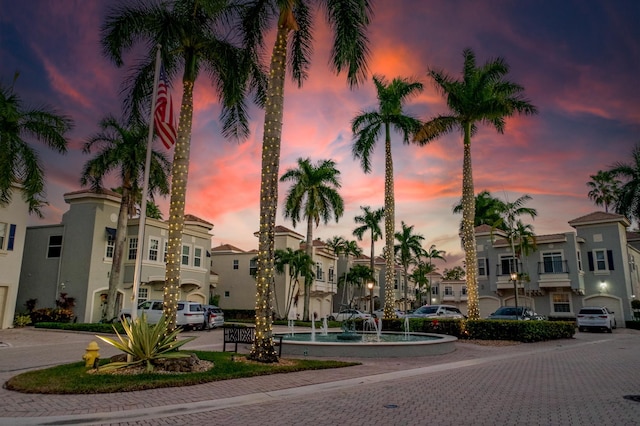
[{"x": 579, "y": 62}]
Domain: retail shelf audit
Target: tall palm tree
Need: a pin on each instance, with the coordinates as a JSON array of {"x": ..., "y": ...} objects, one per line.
[
  {"x": 293, "y": 22},
  {"x": 300, "y": 264},
  {"x": 122, "y": 149},
  {"x": 19, "y": 162},
  {"x": 337, "y": 244},
  {"x": 367, "y": 128},
  {"x": 483, "y": 95},
  {"x": 354, "y": 280},
  {"x": 604, "y": 188},
  {"x": 407, "y": 251},
  {"x": 314, "y": 197},
  {"x": 434, "y": 253},
  {"x": 192, "y": 38},
  {"x": 369, "y": 221},
  {"x": 628, "y": 202}
]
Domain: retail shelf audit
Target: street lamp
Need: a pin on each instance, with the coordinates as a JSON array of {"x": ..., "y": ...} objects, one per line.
[
  {"x": 514, "y": 278},
  {"x": 370, "y": 285}
]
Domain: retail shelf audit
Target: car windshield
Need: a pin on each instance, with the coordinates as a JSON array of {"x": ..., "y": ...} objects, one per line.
[{"x": 427, "y": 310}]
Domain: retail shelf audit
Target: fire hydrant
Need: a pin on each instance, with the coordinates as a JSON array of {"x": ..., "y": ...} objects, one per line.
[{"x": 91, "y": 354}]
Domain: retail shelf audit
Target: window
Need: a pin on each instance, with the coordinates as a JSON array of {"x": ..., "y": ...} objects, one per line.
[
  {"x": 3, "y": 234},
  {"x": 331, "y": 274},
  {"x": 197, "y": 257},
  {"x": 395, "y": 284},
  {"x": 236, "y": 264},
  {"x": 448, "y": 290},
  {"x": 7, "y": 236},
  {"x": 186, "y": 253},
  {"x": 319, "y": 272},
  {"x": 111, "y": 245},
  {"x": 552, "y": 262},
  {"x": 507, "y": 265},
  {"x": 143, "y": 294},
  {"x": 579, "y": 257},
  {"x": 154, "y": 245},
  {"x": 434, "y": 290},
  {"x": 133, "y": 248},
  {"x": 55, "y": 246},
  {"x": 561, "y": 302},
  {"x": 253, "y": 267},
  {"x": 482, "y": 267},
  {"x": 600, "y": 260},
  {"x": 464, "y": 290},
  {"x": 226, "y": 293},
  {"x": 164, "y": 253}
]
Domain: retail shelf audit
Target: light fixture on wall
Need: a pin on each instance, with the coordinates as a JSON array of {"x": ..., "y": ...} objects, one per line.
[{"x": 603, "y": 286}]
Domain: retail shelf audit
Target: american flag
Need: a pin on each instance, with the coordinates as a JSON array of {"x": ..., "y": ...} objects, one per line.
[{"x": 163, "y": 116}]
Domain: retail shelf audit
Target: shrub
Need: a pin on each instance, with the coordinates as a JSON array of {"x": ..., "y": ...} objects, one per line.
[
  {"x": 51, "y": 315},
  {"x": 22, "y": 320},
  {"x": 146, "y": 343}
]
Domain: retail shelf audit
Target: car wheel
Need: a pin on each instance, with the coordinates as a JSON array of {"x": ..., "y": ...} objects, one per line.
[
  {"x": 615, "y": 324},
  {"x": 581, "y": 329},
  {"x": 609, "y": 329}
]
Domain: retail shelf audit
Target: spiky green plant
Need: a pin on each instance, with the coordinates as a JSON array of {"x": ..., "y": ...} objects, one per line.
[{"x": 145, "y": 343}]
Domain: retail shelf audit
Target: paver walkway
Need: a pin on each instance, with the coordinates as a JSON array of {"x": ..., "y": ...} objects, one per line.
[{"x": 580, "y": 381}]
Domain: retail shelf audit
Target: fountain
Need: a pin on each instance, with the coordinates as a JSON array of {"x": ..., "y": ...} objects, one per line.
[
  {"x": 325, "y": 326},
  {"x": 313, "y": 330},
  {"x": 370, "y": 343}
]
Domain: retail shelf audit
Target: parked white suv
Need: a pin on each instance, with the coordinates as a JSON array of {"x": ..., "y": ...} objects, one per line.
[
  {"x": 598, "y": 317},
  {"x": 189, "y": 314}
]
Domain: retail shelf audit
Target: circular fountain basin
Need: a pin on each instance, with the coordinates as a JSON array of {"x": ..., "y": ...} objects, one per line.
[{"x": 387, "y": 345}]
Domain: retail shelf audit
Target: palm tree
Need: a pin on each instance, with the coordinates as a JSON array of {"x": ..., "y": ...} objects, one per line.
[
  {"x": 354, "y": 280},
  {"x": 604, "y": 188},
  {"x": 508, "y": 217},
  {"x": 420, "y": 276},
  {"x": 313, "y": 196},
  {"x": 19, "y": 162},
  {"x": 484, "y": 96},
  {"x": 434, "y": 253},
  {"x": 486, "y": 211},
  {"x": 370, "y": 221},
  {"x": 366, "y": 128},
  {"x": 293, "y": 22},
  {"x": 628, "y": 202},
  {"x": 191, "y": 35},
  {"x": 407, "y": 251},
  {"x": 123, "y": 149},
  {"x": 299, "y": 263},
  {"x": 153, "y": 210},
  {"x": 337, "y": 244}
]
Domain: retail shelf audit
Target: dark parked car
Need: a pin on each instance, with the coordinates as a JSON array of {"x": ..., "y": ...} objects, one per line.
[{"x": 510, "y": 313}]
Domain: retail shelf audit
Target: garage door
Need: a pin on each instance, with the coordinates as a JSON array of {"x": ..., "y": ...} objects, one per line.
[
  {"x": 487, "y": 306},
  {"x": 612, "y": 304}
]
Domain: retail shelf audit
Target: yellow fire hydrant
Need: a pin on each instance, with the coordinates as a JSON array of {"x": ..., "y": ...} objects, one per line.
[{"x": 91, "y": 354}]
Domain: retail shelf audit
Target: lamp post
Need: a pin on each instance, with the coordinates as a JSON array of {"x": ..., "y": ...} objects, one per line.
[
  {"x": 514, "y": 278},
  {"x": 370, "y": 285}
]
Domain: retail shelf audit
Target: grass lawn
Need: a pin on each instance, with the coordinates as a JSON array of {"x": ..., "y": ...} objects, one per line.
[{"x": 75, "y": 379}]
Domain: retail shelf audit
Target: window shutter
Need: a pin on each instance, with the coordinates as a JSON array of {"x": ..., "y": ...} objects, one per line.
[
  {"x": 590, "y": 258},
  {"x": 12, "y": 237},
  {"x": 610, "y": 259},
  {"x": 486, "y": 266}
]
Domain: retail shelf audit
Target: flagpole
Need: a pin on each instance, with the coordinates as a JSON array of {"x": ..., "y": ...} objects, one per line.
[{"x": 145, "y": 189}]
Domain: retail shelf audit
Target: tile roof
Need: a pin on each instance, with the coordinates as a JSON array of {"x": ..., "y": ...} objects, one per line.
[
  {"x": 226, "y": 248},
  {"x": 192, "y": 218},
  {"x": 598, "y": 217}
]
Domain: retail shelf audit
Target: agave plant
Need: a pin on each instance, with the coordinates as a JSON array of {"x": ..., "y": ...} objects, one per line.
[{"x": 146, "y": 343}]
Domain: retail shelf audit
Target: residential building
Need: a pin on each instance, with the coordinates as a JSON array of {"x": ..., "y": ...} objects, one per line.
[
  {"x": 235, "y": 269},
  {"x": 596, "y": 264},
  {"x": 75, "y": 256},
  {"x": 13, "y": 225}
]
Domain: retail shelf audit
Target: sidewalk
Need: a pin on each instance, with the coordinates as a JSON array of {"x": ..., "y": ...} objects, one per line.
[{"x": 576, "y": 381}]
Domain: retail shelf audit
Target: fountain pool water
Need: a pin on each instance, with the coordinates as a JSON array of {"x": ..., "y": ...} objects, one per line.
[{"x": 372, "y": 345}]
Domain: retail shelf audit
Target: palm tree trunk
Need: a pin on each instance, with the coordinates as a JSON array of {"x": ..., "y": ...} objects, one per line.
[
  {"x": 468, "y": 232},
  {"x": 179, "y": 175},
  {"x": 116, "y": 262},
  {"x": 263, "y": 349},
  {"x": 307, "y": 280},
  {"x": 389, "y": 229}
]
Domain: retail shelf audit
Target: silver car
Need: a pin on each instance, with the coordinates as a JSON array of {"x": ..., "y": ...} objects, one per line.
[
  {"x": 213, "y": 317},
  {"x": 437, "y": 311}
]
